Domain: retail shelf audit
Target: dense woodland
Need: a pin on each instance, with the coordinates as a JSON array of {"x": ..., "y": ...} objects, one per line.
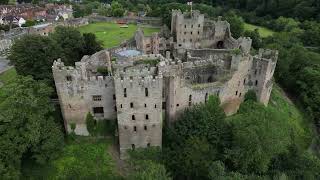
[{"x": 257, "y": 143}]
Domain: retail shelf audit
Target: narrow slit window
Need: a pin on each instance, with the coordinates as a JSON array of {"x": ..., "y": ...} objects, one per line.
[
  {"x": 236, "y": 93},
  {"x": 133, "y": 146},
  {"x": 146, "y": 92},
  {"x": 120, "y": 105},
  {"x": 145, "y": 128},
  {"x": 133, "y": 117},
  {"x": 131, "y": 105},
  {"x": 135, "y": 128},
  {"x": 190, "y": 97},
  {"x": 147, "y": 116},
  {"x": 256, "y": 82},
  {"x": 125, "y": 92}
]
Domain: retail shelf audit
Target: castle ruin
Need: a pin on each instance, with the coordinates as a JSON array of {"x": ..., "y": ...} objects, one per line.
[{"x": 159, "y": 76}]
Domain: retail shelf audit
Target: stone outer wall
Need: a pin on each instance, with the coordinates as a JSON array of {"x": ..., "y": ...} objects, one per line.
[
  {"x": 154, "y": 21},
  {"x": 142, "y": 95}
]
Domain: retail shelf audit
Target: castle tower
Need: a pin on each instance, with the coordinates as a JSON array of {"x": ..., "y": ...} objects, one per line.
[
  {"x": 139, "y": 105},
  {"x": 187, "y": 28}
]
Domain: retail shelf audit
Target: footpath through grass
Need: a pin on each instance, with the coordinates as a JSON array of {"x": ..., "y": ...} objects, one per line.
[
  {"x": 264, "y": 32},
  {"x": 111, "y": 34},
  {"x": 81, "y": 158}
]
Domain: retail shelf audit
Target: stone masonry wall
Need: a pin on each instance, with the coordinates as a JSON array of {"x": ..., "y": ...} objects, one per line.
[{"x": 139, "y": 101}]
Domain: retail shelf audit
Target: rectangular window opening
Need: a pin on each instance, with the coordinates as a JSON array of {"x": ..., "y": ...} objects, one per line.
[
  {"x": 98, "y": 110},
  {"x": 96, "y": 97}
]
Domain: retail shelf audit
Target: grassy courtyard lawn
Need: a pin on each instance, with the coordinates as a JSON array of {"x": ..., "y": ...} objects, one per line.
[
  {"x": 111, "y": 34},
  {"x": 264, "y": 32},
  {"x": 81, "y": 158},
  {"x": 8, "y": 76}
]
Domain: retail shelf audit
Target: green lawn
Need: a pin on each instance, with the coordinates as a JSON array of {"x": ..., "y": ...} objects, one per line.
[
  {"x": 81, "y": 158},
  {"x": 111, "y": 34},
  {"x": 8, "y": 76},
  {"x": 264, "y": 32}
]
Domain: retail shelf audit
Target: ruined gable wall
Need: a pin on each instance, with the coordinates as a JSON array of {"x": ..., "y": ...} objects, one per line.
[{"x": 70, "y": 87}]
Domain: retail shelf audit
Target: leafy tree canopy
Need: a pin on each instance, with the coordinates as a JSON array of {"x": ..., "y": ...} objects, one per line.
[{"x": 26, "y": 125}]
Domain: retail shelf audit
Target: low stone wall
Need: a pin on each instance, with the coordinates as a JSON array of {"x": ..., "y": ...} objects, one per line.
[{"x": 154, "y": 21}]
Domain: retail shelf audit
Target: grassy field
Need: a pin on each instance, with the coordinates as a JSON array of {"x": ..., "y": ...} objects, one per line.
[
  {"x": 264, "y": 32},
  {"x": 81, "y": 158},
  {"x": 111, "y": 34},
  {"x": 279, "y": 102},
  {"x": 8, "y": 76}
]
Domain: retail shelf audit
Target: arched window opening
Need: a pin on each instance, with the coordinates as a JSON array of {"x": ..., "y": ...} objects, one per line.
[{"x": 220, "y": 45}]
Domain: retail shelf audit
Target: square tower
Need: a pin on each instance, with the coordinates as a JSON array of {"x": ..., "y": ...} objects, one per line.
[{"x": 187, "y": 28}]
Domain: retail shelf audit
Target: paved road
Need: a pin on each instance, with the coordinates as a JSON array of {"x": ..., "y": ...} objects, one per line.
[{"x": 4, "y": 64}]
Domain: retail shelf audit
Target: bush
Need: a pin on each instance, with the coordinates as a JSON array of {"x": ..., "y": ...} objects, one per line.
[
  {"x": 100, "y": 127},
  {"x": 250, "y": 96},
  {"x": 91, "y": 124},
  {"x": 103, "y": 71}
]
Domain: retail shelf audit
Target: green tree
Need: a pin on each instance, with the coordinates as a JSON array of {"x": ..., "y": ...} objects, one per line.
[
  {"x": 71, "y": 42},
  {"x": 146, "y": 169},
  {"x": 91, "y": 124},
  {"x": 259, "y": 134},
  {"x": 33, "y": 55},
  {"x": 78, "y": 11},
  {"x": 286, "y": 24},
  {"x": 255, "y": 36},
  {"x": 201, "y": 129},
  {"x": 26, "y": 125},
  {"x": 4, "y": 1},
  {"x": 91, "y": 45},
  {"x": 117, "y": 9},
  {"x": 236, "y": 24}
]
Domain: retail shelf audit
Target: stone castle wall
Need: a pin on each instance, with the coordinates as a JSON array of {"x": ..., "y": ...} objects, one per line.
[
  {"x": 138, "y": 92},
  {"x": 139, "y": 103}
]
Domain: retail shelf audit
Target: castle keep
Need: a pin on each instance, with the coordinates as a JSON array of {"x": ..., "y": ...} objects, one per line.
[{"x": 156, "y": 77}]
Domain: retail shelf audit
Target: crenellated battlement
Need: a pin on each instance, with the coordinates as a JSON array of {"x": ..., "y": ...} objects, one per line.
[{"x": 173, "y": 71}]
